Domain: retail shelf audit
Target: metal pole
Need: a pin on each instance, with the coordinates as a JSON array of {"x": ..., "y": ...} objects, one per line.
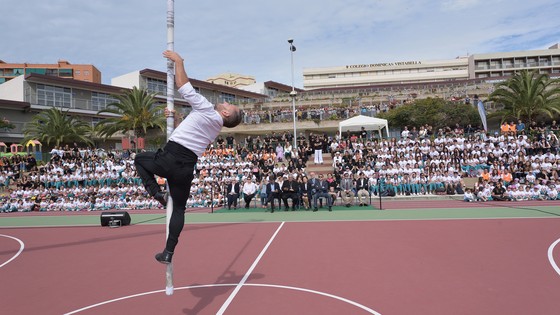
[
  {"x": 170, "y": 125},
  {"x": 293, "y": 95}
]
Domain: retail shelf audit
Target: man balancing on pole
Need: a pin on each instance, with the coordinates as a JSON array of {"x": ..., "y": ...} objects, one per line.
[{"x": 176, "y": 162}]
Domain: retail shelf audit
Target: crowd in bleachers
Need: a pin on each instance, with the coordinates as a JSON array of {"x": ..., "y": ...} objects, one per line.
[
  {"x": 73, "y": 180},
  {"x": 517, "y": 163},
  {"x": 313, "y": 113}
]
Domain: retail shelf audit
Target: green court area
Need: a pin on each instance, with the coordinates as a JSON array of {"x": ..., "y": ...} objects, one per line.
[{"x": 505, "y": 210}]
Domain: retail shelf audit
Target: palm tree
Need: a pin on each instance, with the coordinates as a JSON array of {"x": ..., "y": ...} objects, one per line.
[
  {"x": 136, "y": 111},
  {"x": 527, "y": 95},
  {"x": 52, "y": 126}
]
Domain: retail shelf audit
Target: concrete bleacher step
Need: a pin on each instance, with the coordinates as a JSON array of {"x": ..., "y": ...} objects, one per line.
[{"x": 324, "y": 168}]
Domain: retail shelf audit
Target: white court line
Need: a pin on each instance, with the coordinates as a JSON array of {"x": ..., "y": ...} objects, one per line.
[
  {"x": 365, "y": 308},
  {"x": 21, "y": 247},
  {"x": 248, "y": 273},
  {"x": 551, "y": 257}
]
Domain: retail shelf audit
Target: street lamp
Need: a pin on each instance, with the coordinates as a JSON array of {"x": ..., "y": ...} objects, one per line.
[{"x": 293, "y": 94}]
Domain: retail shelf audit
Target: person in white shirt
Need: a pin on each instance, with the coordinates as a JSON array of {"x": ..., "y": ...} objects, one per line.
[
  {"x": 469, "y": 196},
  {"x": 249, "y": 191},
  {"x": 176, "y": 162}
]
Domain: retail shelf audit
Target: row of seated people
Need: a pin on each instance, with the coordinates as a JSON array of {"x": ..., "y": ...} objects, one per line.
[
  {"x": 293, "y": 190},
  {"x": 499, "y": 190},
  {"x": 77, "y": 198}
]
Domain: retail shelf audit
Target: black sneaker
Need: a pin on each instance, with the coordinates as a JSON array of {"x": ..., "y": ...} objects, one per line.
[
  {"x": 164, "y": 257},
  {"x": 161, "y": 197}
]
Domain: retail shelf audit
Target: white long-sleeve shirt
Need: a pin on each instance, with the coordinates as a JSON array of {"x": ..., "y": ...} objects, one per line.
[{"x": 201, "y": 126}]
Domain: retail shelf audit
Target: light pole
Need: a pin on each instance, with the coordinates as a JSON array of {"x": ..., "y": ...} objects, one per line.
[{"x": 293, "y": 94}]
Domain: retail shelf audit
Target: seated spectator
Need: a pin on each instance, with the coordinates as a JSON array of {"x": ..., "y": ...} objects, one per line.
[
  {"x": 499, "y": 192},
  {"x": 347, "y": 189},
  {"x": 249, "y": 191},
  {"x": 321, "y": 191},
  {"x": 469, "y": 196},
  {"x": 290, "y": 189}
]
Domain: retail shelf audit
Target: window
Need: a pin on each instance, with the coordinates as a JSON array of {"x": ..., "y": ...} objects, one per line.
[
  {"x": 77, "y": 72},
  {"x": 86, "y": 73},
  {"x": 49, "y": 95},
  {"x": 65, "y": 72},
  {"x": 53, "y": 72},
  {"x": 95, "y": 121},
  {"x": 35, "y": 70},
  {"x": 226, "y": 97},
  {"x": 157, "y": 86},
  {"x": 100, "y": 101}
]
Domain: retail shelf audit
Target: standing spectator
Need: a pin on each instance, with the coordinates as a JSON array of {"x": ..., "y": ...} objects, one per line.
[
  {"x": 405, "y": 133},
  {"x": 230, "y": 141},
  {"x": 318, "y": 147},
  {"x": 520, "y": 127},
  {"x": 363, "y": 135}
]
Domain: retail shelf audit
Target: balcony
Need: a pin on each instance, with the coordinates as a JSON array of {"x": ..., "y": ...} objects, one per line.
[
  {"x": 19, "y": 125},
  {"x": 75, "y": 104}
]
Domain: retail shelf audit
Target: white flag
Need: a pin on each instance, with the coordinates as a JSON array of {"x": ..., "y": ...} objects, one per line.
[{"x": 482, "y": 113}]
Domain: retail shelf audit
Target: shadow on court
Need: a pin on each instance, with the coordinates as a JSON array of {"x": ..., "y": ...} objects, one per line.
[
  {"x": 515, "y": 205},
  {"x": 110, "y": 238},
  {"x": 207, "y": 295}
]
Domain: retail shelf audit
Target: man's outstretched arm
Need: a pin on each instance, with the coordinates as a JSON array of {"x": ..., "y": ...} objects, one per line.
[{"x": 181, "y": 77}]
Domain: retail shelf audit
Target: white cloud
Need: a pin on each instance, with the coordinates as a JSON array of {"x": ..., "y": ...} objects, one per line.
[{"x": 451, "y": 5}]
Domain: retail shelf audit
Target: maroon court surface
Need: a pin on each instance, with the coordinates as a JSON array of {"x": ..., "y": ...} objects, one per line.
[{"x": 490, "y": 266}]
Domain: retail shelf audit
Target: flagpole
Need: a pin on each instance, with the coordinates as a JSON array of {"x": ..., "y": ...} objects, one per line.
[{"x": 170, "y": 126}]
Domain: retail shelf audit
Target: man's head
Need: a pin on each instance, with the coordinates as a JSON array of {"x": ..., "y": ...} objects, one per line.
[{"x": 231, "y": 114}]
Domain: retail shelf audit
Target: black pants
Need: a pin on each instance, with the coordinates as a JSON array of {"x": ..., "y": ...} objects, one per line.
[
  {"x": 176, "y": 163},
  {"x": 271, "y": 198},
  {"x": 248, "y": 199},
  {"x": 232, "y": 200},
  {"x": 295, "y": 199}
]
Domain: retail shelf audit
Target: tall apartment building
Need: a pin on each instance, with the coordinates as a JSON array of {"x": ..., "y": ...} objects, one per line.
[{"x": 62, "y": 69}]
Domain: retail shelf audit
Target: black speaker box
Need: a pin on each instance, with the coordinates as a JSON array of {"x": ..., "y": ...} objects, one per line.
[{"x": 119, "y": 218}]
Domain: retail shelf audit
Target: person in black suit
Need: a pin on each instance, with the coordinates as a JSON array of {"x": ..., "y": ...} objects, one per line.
[
  {"x": 232, "y": 192},
  {"x": 273, "y": 192},
  {"x": 362, "y": 187},
  {"x": 305, "y": 191},
  {"x": 290, "y": 190}
]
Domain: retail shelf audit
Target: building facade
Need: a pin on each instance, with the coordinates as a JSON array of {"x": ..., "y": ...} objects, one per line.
[
  {"x": 25, "y": 96},
  {"x": 478, "y": 66},
  {"x": 62, "y": 69},
  {"x": 232, "y": 80}
]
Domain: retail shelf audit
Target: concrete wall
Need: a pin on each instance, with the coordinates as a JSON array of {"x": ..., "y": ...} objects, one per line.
[
  {"x": 13, "y": 89},
  {"x": 128, "y": 80}
]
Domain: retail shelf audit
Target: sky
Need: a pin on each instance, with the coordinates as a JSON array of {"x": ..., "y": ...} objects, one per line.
[{"x": 250, "y": 36}]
